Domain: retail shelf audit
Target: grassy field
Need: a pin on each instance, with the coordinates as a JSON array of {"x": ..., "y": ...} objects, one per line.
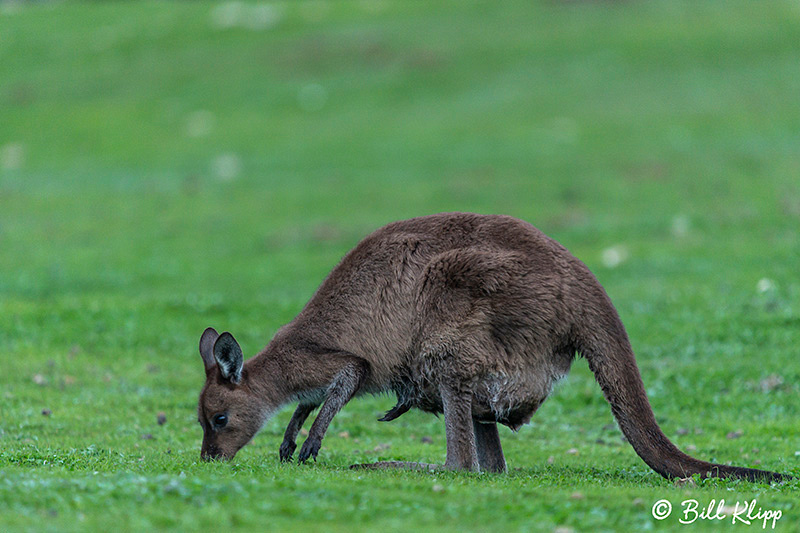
[{"x": 165, "y": 167}]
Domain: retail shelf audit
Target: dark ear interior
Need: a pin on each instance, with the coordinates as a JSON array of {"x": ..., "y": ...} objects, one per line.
[
  {"x": 207, "y": 341},
  {"x": 229, "y": 357}
]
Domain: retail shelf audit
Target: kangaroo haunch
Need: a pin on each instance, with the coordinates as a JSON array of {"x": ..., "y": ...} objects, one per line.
[{"x": 468, "y": 315}]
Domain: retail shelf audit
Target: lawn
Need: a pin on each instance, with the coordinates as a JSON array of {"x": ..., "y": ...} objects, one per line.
[{"x": 165, "y": 167}]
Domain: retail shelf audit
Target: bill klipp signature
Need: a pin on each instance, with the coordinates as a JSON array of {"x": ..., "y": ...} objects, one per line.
[{"x": 746, "y": 512}]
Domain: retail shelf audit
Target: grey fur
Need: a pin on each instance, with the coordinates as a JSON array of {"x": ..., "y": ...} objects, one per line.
[
  {"x": 475, "y": 316},
  {"x": 487, "y": 443},
  {"x": 295, "y": 424},
  {"x": 341, "y": 390},
  {"x": 229, "y": 357}
]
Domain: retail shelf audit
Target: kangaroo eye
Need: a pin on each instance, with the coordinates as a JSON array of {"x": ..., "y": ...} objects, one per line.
[{"x": 220, "y": 421}]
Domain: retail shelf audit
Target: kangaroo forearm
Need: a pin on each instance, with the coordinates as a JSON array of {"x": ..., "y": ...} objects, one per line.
[
  {"x": 341, "y": 390},
  {"x": 295, "y": 424}
]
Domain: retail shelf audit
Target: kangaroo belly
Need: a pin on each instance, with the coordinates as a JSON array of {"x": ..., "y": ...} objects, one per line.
[
  {"x": 510, "y": 399},
  {"x": 506, "y": 397},
  {"x": 498, "y": 399}
]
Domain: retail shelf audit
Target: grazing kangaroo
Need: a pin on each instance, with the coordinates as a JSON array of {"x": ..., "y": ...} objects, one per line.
[{"x": 472, "y": 316}]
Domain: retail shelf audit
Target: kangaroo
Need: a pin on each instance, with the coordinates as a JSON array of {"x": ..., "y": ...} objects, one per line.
[{"x": 473, "y": 316}]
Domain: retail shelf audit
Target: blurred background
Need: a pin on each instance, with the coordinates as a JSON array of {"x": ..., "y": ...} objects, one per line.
[{"x": 169, "y": 166}]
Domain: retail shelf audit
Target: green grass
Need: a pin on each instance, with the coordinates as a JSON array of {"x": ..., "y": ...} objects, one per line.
[{"x": 160, "y": 173}]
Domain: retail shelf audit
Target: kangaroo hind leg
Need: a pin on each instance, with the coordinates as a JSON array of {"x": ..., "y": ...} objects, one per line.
[
  {"x": 487, "y": 443},
  {"x": 457, "y": 406}
]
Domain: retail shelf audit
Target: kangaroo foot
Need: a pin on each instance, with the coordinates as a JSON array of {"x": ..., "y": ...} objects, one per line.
[{"x": 386, "y": 465}]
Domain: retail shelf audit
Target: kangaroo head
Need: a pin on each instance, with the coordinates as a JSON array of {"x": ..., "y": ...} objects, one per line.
[{"x": 228, "y": 410}]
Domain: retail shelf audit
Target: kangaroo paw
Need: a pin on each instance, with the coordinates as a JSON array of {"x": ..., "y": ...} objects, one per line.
[
  {"x": 286, "y": 450},
  {"x": 310, "y": 449}
]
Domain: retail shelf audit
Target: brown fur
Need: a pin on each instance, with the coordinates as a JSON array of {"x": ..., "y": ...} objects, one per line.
[{"x": 470, "y": 315}]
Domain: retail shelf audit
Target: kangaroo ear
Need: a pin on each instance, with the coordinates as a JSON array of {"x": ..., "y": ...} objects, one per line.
[
  {"x": 207, "y": 341},
  {"x": 229, "y": 357}
]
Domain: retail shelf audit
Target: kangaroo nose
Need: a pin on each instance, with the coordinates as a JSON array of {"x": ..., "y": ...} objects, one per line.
[{"x": 210, "y": 454}]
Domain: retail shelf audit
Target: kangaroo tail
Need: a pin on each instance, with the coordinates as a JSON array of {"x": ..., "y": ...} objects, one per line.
[{"x": 607, "y": 349}]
